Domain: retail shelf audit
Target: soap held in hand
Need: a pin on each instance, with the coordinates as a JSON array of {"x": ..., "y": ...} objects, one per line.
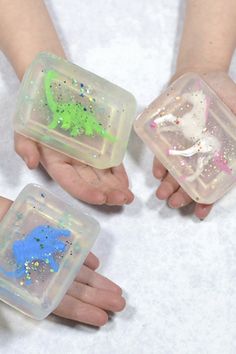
[
  {"x": 74, "y": 112},
  {"x": 192, "y": 133},
  {"x": 44, "y": 242}
]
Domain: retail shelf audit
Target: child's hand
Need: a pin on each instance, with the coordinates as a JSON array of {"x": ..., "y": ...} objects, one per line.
[
  {"x": 169, "y": 189},
  {"x": 86, "y": 183},
  {"x": 90, "y": 296}
]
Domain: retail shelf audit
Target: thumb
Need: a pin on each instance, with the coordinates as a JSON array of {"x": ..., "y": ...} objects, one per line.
[{"x": 28, "y": 150}]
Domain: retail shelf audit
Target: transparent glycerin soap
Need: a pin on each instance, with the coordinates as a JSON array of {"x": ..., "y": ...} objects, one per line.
[
  {"x": 43, "y": 243},
  {"x": 193, "y": 134},
  {"x": 74, "y": 112}
]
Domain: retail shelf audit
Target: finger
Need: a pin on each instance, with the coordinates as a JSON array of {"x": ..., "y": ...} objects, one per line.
[
  {"x": 74, "y": 309},
  {"x": 28, "y": 150},
  {"x": 179, "y": 199},
  {"x": 120, "y": 173},
  {"x": 158, "y": 170},
  {"x": 118, "y": 197},
  {"x": 91, "y": 261},
  {"x": 104, "y": 299},
  {"x": 202, "y": 210},
  {"x": 116, "y": 192},
  {"x": 4, "y": 206},
  {"x": 89, "y": 277},
  {"x": 129, "y": 197},
  {"x": 167, "y": 187}
]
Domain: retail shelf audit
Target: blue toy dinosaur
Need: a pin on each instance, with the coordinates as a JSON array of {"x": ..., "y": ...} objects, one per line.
[{"x": 40, "y": 244}]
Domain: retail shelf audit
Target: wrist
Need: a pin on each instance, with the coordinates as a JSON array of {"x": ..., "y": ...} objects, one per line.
[
  {"x": 23, "y": 61},
  {"x": 201, "y": 70},
  {"x": 25, "y": 30}
]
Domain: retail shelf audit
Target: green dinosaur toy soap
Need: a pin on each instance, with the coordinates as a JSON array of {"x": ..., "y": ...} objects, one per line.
[{"x": 75, "y": 112}]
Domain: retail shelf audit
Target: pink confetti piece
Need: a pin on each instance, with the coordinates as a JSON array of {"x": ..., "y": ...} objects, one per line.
[{"x": 221, "y": 163}]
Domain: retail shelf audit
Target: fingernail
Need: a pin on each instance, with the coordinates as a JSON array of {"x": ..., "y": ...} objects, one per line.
[
  {"x": 125, "y": 199},
  {"x": 26, "y": 160},
  {"x": 102, "y": 198},
  {"x": 158, "y": 174}
]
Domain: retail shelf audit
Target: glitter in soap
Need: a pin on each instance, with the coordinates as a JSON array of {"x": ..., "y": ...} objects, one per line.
[
  {"x": 74, "y": 111},
  {"x": 43, "y": 243},
  {"x": 193, "y": 133}
]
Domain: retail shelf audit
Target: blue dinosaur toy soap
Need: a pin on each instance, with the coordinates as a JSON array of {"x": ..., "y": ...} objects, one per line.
[
  {"x": 75, "y": 112},
  {"x": 43, "y": 243}
]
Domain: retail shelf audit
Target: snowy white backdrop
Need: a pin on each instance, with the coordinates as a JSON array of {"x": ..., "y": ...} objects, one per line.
[{"x": 178, "y": 274}]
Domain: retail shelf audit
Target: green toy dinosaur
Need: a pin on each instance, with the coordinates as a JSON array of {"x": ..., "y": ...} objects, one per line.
[{"x": 73, "y": 117}]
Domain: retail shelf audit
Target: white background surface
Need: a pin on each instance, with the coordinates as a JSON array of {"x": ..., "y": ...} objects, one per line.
[{"x": 178, "y": 274}]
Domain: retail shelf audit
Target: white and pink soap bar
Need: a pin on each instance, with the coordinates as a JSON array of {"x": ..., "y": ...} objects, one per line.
[{"x": 193, "y": 133}]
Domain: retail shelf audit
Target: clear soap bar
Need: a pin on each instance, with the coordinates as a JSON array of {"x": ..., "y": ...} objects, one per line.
[
  {"x": 74, "y": 112},
  {"x": 43, "y": 243},
  {"x": 193, "y": 133}
]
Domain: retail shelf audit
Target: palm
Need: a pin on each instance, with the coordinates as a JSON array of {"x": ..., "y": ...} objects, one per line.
[
  {"x": 91, "y": 296},
  {"x": 91, "y": 185}
]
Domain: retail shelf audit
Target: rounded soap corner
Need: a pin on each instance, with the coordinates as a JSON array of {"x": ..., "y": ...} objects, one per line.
[
  {"x": 199, "y": 199},
  {"x": 42, "y": 316},
  {"x": 138, "y": 124},
  {"x": 189, "y": 75},
  {"x": 91, "y": 223},
  {"x": 114, "y": 163},
  {"x": 134, "y": 103},
  {"x": 139, "y": 114},
  {"x": 43, "y": 55},
  {"x": 136, "y": 121},
  {"x": 34, "y": 185},
  {"x": 39, "y": 57},
  {"x": 102, "y": 165},
  {"x": 29, "y": 187},
  {"x": 207, "y": 201},
  {"x": 93, "y": 227}
]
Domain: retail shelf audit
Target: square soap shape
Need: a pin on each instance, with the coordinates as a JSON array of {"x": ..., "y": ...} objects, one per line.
[
  {"x": 192, "y": 132},
  {"x": 74, "y": 112},
  {"x": 43, "y": 243}
]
